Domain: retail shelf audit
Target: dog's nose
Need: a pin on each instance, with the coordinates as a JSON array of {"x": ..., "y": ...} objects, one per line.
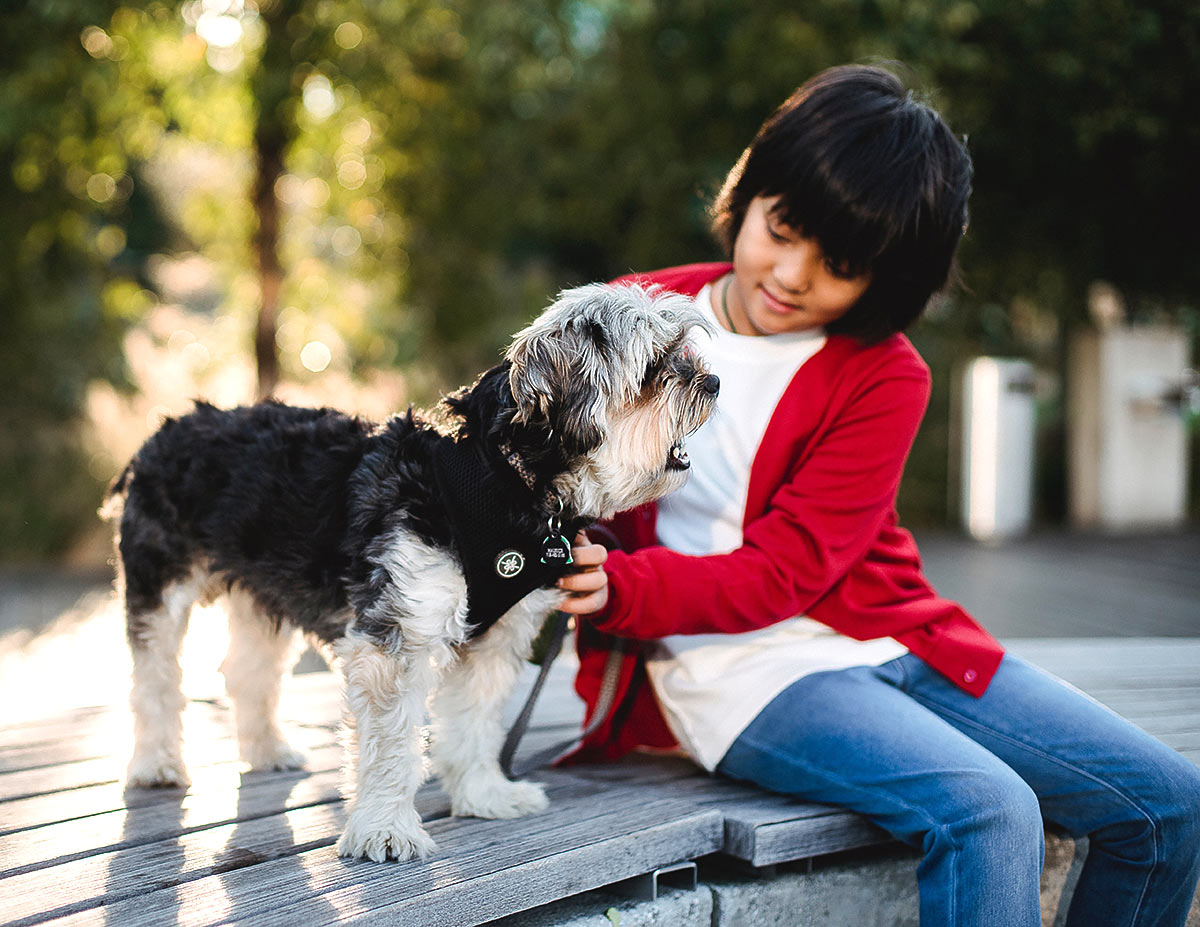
[{"x": 711, "y": 384}]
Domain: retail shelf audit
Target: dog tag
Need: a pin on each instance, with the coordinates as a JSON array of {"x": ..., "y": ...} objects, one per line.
[{"x": 556, "y": 551}]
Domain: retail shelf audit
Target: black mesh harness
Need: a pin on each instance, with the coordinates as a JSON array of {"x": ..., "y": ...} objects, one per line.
[{"x": 502, "y": 561}]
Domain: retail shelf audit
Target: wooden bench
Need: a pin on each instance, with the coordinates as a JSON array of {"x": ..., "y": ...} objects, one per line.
[{"x": 258, "y": 847}]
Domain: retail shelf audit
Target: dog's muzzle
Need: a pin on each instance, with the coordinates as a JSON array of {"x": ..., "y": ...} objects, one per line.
[{"x": 678, "y": 459}]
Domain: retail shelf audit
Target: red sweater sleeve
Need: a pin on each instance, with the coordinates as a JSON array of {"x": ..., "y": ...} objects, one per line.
[{"x": 837, "y": 470}]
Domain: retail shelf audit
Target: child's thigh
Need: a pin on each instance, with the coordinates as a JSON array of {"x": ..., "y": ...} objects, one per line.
[
  {"x": 854, "y": 738},
  {"x": 1087, "y": 765}
]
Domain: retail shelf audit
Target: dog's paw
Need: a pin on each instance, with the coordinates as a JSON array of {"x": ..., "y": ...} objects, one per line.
[
  {"x": 367, "y": 837},
  {"x": 157, "y": 771},
  {"x": 272, "y": 756},
  {"x": 498, "y": 798}
]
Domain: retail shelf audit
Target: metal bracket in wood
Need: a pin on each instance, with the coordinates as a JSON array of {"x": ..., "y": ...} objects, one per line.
[{"x": 645, "y": 887}]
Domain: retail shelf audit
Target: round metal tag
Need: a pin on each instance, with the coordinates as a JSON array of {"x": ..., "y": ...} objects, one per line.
[{"x": 509, "y": 563}]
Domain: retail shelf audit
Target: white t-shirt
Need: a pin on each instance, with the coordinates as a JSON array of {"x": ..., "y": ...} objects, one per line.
[{"x": 711, "y": 686}]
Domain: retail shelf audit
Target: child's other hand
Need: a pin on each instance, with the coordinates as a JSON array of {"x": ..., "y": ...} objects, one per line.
[{"x": 587, "y": 585}]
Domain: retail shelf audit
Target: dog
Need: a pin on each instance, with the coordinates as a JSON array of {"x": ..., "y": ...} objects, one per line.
[{"x": 421, "y": 552}]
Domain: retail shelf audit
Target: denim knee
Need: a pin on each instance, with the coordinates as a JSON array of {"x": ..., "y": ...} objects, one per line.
[
  {"x": 998, "y": 806},
  {"x": 1180, "y": 809},
  {"x": 1160, "y": 823}
]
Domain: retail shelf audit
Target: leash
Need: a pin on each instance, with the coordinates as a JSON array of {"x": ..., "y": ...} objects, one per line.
[{"x": 547, "y": 755}]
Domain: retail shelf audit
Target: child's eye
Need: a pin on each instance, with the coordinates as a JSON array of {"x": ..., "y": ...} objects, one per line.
[{"x": 841, "y": 271}]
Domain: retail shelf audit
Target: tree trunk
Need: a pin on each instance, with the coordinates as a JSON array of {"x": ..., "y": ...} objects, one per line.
[
  {"x": 271, "y": 86},
  {"x": 268, "y": 146}
]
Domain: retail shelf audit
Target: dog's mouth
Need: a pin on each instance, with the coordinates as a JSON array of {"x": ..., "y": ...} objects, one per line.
[{"x": 678, "y": 458}]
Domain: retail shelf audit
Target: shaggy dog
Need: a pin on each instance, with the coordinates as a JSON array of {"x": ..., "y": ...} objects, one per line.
[{"x": 422, "y": 550}]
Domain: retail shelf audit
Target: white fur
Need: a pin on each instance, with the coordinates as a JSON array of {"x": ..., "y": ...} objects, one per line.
[
  {"x": 259, "y": 656},
  {"x": 432, "y": 609},
  {"x": 386, "y": 694},
  {"x": 468, "y": 733},
  {"x": 156, "y": 698},
  {"x": 629, "y": 468}
]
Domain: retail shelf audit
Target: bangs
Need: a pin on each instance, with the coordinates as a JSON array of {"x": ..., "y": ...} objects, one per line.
[{"x": 858, "y": 195}]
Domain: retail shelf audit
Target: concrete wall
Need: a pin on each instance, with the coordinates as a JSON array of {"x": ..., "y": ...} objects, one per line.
[{"x": 856, "y": 890}]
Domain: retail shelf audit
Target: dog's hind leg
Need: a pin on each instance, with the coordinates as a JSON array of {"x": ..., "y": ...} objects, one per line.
[
  {"x": 468, "y": 730},
  {"x": 385, "y": 695},
  {"x": 155, "y": 638},
  {"x": 260, "y": 652}
]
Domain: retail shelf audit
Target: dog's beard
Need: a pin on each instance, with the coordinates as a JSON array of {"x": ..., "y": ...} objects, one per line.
[{"x": 642, "y": 457}]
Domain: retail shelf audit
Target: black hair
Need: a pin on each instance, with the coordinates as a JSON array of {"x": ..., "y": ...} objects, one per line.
[{"x": 874, "y": 175}]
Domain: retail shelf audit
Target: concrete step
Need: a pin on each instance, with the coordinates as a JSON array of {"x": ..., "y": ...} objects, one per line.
[{"x": 872, "y": 888}]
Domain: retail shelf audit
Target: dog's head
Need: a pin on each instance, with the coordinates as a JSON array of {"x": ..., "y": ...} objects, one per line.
[{"x": 608, "y": 371}]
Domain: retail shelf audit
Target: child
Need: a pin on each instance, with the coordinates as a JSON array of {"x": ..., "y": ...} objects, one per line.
[{"x": 772, "y": 617}]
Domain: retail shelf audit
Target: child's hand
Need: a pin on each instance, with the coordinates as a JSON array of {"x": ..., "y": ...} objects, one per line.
[{"x": 588, "y": 583}]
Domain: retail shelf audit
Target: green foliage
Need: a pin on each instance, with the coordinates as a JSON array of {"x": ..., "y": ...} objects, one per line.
[{"x": 448, "y": 164}]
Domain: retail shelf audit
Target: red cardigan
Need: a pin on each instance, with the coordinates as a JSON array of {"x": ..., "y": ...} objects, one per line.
[{"x": 820, "y": 538}]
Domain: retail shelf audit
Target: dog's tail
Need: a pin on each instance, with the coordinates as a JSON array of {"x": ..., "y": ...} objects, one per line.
[{"x": 114, "y": 498}]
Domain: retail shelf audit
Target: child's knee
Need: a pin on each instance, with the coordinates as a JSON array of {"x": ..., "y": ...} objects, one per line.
[{"x": 999, "y": 805}]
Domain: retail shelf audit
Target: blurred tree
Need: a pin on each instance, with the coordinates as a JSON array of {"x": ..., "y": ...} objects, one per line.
[
  {"x": 405, "y": 182},
  {"x": 64, "y": 190}
]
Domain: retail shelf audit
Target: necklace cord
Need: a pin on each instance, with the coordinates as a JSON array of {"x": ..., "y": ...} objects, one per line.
[{"x": 725, "y": 304}]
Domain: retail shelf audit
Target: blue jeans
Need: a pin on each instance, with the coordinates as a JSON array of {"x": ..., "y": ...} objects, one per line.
[{"x": 968, "y": 781}]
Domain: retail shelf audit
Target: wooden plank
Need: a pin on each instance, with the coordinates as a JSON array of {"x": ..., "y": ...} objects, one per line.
[
  {"x": 1111, "y": 657},
  {"x": 483, "y": 870},
  {"x": 172, "y": 813},
  {"x": 763, "y": 829},
  {"x": 89, "y": 736},
  {"x": 208, "y": 741},
  {"x": 207, "y": 783},
  {"x": 92, "y": 747},
  {"x": 307, "y": 701},
  {"x": 786, "y": 841},
  {"x": 50, "y": 730},
  {"x": 111, "y": 876},
  {"x": 584, "y": 860},
  {"x": 234, "y": 845}
]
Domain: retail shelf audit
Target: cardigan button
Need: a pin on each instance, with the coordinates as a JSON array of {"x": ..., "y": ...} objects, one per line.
[{"x": 970, "y": 676}]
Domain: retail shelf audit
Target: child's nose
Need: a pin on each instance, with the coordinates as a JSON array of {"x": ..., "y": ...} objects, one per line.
[{"x": 795, "y": 272}]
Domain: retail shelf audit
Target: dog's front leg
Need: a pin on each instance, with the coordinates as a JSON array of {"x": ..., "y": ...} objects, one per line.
[
  {"x": 385, "y": 695},
  {"x": 468, "y": 731}
]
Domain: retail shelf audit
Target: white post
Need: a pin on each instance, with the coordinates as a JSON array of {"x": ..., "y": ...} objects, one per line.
[
  {"x": 1127, "y": 441},
  {"x": 997, "y": 448}
]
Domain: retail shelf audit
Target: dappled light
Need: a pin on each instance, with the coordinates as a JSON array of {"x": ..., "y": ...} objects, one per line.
[
  {"x": 175, "y": 357},
  {"x": 324, "y": 200},
  {"x": 82, "y": 660}
]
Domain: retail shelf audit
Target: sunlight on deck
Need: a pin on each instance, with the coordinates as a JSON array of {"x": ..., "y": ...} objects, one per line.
[{"x": 82, "y": 660}]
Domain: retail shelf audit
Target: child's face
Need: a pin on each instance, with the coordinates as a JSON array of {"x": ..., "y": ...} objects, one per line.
[{"x": 782, "y": 280}]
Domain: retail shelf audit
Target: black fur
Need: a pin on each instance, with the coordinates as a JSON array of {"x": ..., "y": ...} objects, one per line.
[{"x": 290, "y": 504}]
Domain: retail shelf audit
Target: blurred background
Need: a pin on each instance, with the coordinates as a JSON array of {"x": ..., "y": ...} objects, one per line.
[{"x": 356, "y": 202}]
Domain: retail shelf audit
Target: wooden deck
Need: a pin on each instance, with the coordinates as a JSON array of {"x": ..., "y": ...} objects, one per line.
[{"x": 257, "y": 848}]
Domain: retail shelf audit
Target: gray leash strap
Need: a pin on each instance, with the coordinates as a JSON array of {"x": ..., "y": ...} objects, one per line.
[{"x": 546, "y": 756}]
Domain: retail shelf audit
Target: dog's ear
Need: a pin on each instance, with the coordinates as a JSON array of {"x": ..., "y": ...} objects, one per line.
[
  {"x": 556, "y": 378},
  {"x": 580, "y": 416}
]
